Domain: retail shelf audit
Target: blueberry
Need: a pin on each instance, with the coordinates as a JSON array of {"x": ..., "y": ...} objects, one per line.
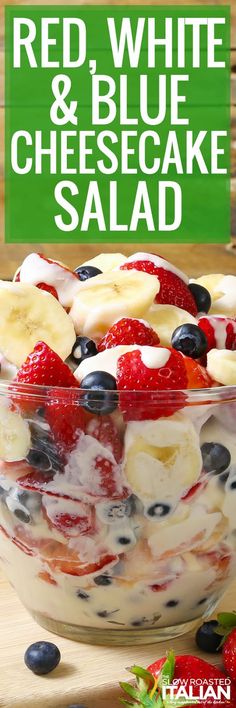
[
  {"x": 190, "y": 340},
  {"x": 83, "y": 348},
  {"x": 201, "y": 296},
  {"x": 223, "y": 478},
  {"x": 76, "y": 705},
  {"x": 42, "y": 442},
  {"x": 42, "y": 657},
  {"x": 39, "y": 459},
  {"x": 103, "y": 580},
  {"x": 17, "y": 507},
  {"x": 31, "y": 500},
  {"x": 111, "y": 512},
  {"x": 206, "y": 637},
  {"x": 216, "y": 458},
  {"x": 82, "y": 595},
  {"x": 101, "y": 397},
  {"x": 158, "y": 510},
  {"x": 124, "y": 540},
  {"x": 172, "y": 603},
  {"x": 86, "y": 271},
  {"x": 232, "y": 485},
  {"x": 138, "y": 622}
]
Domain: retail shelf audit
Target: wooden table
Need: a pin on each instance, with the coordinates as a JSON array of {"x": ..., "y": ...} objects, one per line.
[{"x": 86, "y": 674}]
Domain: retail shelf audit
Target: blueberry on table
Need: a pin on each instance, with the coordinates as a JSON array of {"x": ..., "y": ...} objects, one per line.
[
  {"x": 207, "y": 638},
  {"x": 216, "y": 458},
  {"x": 42, "y": 657},
  {"x": 189, "y": 339},
  {"x": 83, "y": 349},
  {"x": 101, "y": 396},
  {"x": 201, "y": 296},
  {"x": 85, "y": 272}
]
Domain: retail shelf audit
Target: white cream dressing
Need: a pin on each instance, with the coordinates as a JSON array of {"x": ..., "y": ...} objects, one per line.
[{"x": 35, "y": 269}]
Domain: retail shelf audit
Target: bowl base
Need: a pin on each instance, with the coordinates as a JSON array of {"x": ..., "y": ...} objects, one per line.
[{"x": 113, "y": 637}]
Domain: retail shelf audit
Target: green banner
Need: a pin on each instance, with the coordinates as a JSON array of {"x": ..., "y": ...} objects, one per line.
[{"x": 117, "y": 124}]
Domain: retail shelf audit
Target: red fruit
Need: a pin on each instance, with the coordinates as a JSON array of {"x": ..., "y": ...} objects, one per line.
[
  {"x": 45, "y": 575},
  {"x": 107, "y": 477},
  {"x": 173, "y": 290},
  {"x": 229, "y": 655},
  {"x": 44, "y": 367},
  {"x": 48, "y": 288},
  {"x": 129, "y": 331},
  {"x": 220, "y": 332},
  {"x": 103, "y": 429},
  {"x": 198, "y": 487},
  {"x": 197, "y": 375},
  {"x": 66, "y": 418},
  {"x": 190, "y": 668},
  {"x": 133, "y": 376},
  {"x": 62, "y": 559},
  {"x": 37, "y": 481},
  {"x": 75, "y": 519}
]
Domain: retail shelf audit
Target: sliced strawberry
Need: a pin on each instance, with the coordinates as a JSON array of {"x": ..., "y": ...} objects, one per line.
[
  {"x": 107, "y": 477},
  {"x": 103, "y": 429},
  {"x": 173, "y": 290},
  {"x": 133, "y": 376},
  {"x": 45, "y": 575},
  {"x": 37, "y": 481},
  {"x": 197, "y": 375},
  {"x": 62, "y": 559},
  {"x": 193, "y": 490},
  {"x": 66, "y": 418},
  {"x": 129, "y": 331},
  {"x": 44, "y": 367},
  {"x": 160, "y": 587},
  {"x": 70, "y": 519},
  {"x": 48, "y": 289},
  {"x": 220, "y": 332}
]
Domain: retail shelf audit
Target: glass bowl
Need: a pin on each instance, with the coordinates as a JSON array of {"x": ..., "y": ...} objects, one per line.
[{"x": 117, "y": 511}]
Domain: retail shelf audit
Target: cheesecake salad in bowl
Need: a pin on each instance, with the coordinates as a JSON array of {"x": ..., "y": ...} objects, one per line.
[{"x": 117, "y": 445}]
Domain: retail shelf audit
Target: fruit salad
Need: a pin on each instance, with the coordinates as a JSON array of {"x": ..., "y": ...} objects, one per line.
[{"x": 117, "y": 444}]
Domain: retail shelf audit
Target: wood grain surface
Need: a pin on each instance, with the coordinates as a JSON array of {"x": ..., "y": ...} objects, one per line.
[{"x": 86, "y": 674}]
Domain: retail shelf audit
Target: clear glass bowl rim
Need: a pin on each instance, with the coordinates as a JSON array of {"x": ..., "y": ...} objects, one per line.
[{"x": 217, "y": 394}]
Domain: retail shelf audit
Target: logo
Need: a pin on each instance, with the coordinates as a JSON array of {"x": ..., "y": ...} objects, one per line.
[{"x": 181, "y": 692}]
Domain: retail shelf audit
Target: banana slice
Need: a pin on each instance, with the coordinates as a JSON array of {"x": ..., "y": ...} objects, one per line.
[
  {"x": 222, "y": 289},
  {"x": 101, "y": 300},
  {"x": 106, "y": 261},
  {"x": 221, "y": 365},
  {"x": 163, "y": 458},
  {"x": 14, "y": 435},
  {"x": 28, "y": 315},
  {"x": 171, "y": 539},
  {"x": 165, "y": 318}
]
